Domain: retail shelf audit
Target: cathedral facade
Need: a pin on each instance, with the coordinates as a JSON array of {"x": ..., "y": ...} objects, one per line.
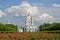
[{"x": 29, "y": 24}]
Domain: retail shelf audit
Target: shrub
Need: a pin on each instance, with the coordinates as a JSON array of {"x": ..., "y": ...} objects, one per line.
[{"x": 33, "y": 38}]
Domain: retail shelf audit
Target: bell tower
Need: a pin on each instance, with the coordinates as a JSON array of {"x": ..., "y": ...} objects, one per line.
[{"x": 29, "y": 23}]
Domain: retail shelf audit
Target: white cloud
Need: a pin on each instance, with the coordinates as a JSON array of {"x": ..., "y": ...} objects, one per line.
[
  {"x": 45, "y": 17},
  {"x": 21, "y": 10},
  {"x": 2, "y": 14},
  {"x": 56, "y": 5},
  {"x": 36, "y": 11},
  {"x": 17, "y": 15}
]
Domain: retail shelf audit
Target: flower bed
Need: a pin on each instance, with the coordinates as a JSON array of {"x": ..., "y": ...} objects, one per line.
[{"x": 29, "y": 36}]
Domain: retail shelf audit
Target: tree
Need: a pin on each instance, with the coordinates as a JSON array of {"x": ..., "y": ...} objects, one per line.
[
  {"x": 8, "y": 27},
  {"x": 49, "y": 27}
]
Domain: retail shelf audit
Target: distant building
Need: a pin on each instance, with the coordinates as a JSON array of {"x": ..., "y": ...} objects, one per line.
[{"x": 20, "y": 30}]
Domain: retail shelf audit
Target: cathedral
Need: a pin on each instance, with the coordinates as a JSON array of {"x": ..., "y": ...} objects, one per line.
[{"x": 29, "y": 24}]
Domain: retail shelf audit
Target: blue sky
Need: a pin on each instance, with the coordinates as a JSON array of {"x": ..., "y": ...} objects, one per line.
[
  {"x": 8, "y": 3},
  {"x": 46, "y": 8}
]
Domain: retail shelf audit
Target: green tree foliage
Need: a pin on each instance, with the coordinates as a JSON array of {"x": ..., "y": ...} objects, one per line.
[
  {"x": 8, "y": 27},
  {"x": 49, "y": 27}
]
